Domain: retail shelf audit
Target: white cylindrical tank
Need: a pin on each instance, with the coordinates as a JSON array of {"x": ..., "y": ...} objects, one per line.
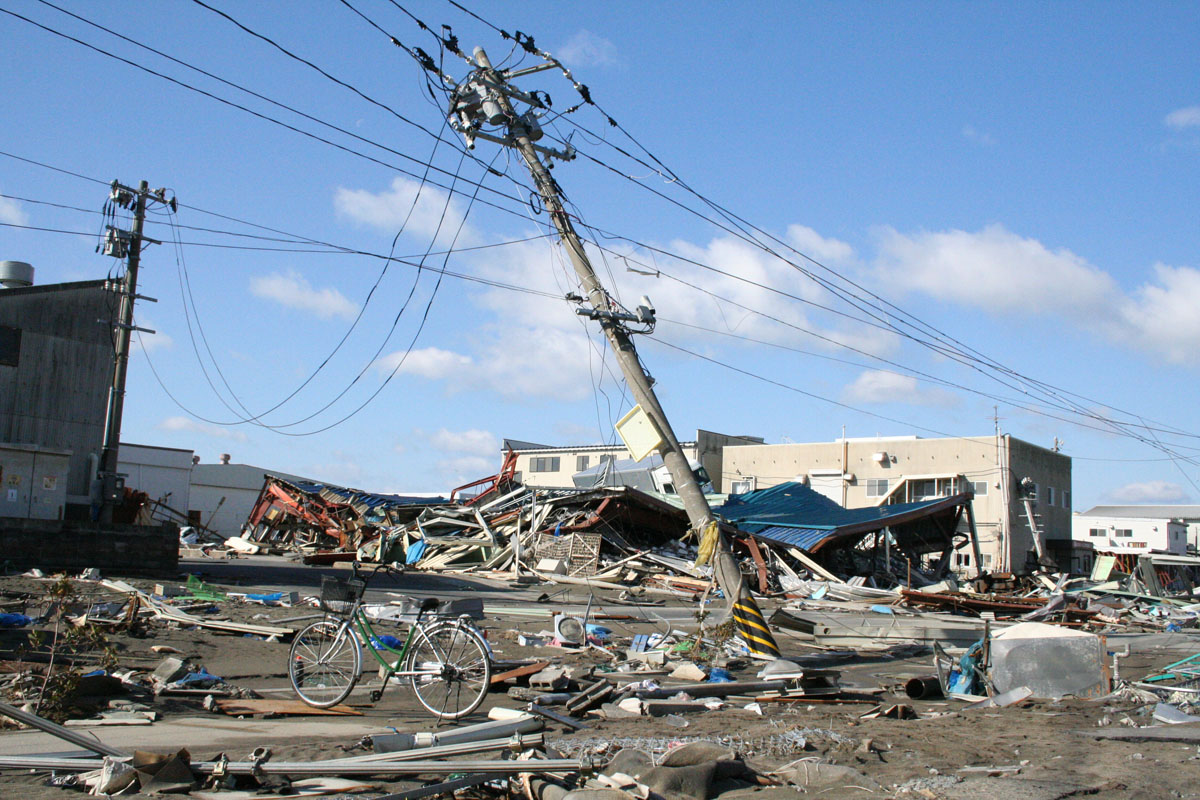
[{"x": 15, "y": 274}]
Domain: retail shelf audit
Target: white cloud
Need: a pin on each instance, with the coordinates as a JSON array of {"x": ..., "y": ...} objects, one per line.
[
  {"x": 12, "y": 213},
  {"x": 474, "y": 442},
  {"x": 1162, "y": 317},
  {"x": 994, "y": 269},
  {"x": 418, "y": 209},
  {"x": 813, "y": 244},
  {"x": 150, "y": 342},
  {"x": 973, "y": 134},
  {"x": 1000, "y": 272},
  {"x": 467, "y": 468},
  {"x": 188, "y": 425},
  {"x": 880, "y": 386},
  {"x": 586, "y": 49},
  {"x": 293, "y": 290},
  {"x": 1150, "y": 492},
  {"x": 1180, "y": 118},
  {"x": 433, "y": 363},
  {"x": 748, "y": 270}
]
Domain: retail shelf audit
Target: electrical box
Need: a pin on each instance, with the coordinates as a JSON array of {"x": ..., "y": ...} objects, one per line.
[{"x": 113, "y": 487}]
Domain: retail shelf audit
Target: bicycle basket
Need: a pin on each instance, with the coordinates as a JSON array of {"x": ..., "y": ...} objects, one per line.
[{"x": 338, "y": 595}]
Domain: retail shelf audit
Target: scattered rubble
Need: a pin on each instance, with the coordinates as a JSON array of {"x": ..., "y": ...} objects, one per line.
[{"x": 614, "y": 674}]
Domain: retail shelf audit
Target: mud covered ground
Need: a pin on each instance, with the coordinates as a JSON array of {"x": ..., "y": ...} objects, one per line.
[{"x": 1032, "y": 750}]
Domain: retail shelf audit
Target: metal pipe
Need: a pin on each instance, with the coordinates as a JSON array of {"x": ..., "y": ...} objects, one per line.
[
  {"x": 54, "y": 729},
  {"x": 517, "y": 742},
  {"x": 926, "y": 687},
  {"x": 318, "y": 768}
]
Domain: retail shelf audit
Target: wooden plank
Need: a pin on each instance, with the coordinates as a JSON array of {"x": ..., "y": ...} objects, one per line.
[
  {"x": 805, "y": 559},
  {"x": 519, "y": 672},
  {"x": 291, "y": 708}
]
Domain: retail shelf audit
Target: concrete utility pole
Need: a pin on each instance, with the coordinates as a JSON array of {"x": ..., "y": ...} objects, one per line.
[
  {"x": 119, "y": 243},
  {"x": 484, "y": 98},
  {"x": 521, "y": 138}
]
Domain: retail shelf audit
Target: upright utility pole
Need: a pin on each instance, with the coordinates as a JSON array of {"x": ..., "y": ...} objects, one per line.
[
  {"x": 128, "y": 244},
  {"x": 521, "y": 136}
]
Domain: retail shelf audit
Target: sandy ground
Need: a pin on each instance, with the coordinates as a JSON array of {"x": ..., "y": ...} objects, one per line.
[{"x": 939, "y": 756}]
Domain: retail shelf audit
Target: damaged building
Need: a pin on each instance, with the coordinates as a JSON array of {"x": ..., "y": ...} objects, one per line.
[{"x": 1002, "y": 472}]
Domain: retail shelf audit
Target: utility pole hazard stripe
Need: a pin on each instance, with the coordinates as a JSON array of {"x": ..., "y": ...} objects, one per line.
[
  {"x": 751, "y": 612},
  {"x": 760, "y": 645},
  {"x": 751, "y": 623}
]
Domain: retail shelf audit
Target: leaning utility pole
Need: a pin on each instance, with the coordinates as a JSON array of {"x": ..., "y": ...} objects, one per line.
[
  {"x": 127, "y": 245},
  {"x": 521, "y": 132},
  {"x": 484, "y": 99}
]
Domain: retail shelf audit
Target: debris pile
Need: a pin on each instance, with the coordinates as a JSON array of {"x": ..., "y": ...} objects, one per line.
[{"x": 322, "y": 521}]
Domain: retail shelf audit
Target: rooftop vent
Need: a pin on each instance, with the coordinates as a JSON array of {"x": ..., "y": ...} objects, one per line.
[{"x": 15, "y": 274}]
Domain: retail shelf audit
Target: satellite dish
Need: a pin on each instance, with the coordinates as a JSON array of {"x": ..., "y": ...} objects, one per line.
[{"x": 569, "y": 630}]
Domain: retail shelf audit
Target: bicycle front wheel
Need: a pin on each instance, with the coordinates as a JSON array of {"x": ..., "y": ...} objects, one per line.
[
  {"x": 451, "y": 669},
  {"x": 324, "y": 664}
]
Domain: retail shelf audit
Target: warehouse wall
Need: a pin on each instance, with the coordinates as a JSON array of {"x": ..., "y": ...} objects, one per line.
[{"x": 56, "y": 392}]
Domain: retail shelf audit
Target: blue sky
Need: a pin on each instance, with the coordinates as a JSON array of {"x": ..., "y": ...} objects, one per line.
[{"x": 1020, "y": 177}]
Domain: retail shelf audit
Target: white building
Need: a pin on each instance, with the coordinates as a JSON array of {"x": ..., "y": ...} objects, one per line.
[
  {"x": 1137, "y": 529},
  {"x": 223, "y": 494},
  {"x": 551, "y": 466},
  {"x": 163, "y": 473}
]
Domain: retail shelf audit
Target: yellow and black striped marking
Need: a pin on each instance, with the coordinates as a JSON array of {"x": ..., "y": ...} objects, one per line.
[{"x": 753, "y": 628}]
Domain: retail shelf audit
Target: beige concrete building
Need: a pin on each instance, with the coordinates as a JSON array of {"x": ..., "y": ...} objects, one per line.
[
  {"x": 869, "y": 472},
  {"x": 549, "y": 466}
]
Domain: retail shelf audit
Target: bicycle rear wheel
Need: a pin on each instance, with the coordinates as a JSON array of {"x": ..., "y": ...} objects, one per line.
[
  {"x": 324, "y": 664},
  {"x": 453, "y": 667}
]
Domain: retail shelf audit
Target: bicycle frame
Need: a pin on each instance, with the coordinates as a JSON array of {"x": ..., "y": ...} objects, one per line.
[{"x": 360, "y": 626}]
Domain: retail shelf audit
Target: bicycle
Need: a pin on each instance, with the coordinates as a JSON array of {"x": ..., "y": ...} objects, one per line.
[{"x": 447, "y": 662}]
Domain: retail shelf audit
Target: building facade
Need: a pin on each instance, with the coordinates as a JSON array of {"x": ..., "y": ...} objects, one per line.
[
  {"x": 1002, "y": 471},
  {"x": 548, "y": 466},
  {"x": 1138, "y": 528},
  {"x": 56, "y": 361}
]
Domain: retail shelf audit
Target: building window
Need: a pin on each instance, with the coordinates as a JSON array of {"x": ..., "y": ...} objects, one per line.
[
  {"x": 980, "y": 488},
  {"x": 1066, "y": 498},
  {"x": 1096, "y": 533},
  {"x": 10, "y": 346},
  {"x": 877, "y": 487},
  {"x": 923, "y": 489},
  {"x": 743, "y": 485},
  {"x": 607, "y": 458},
  {"x": 1033, "y": 492},
  {"x": 1123, "y": 533},
  {"x": 1050, "y": 495},
  {"x": 963, "y": 559},
  {"x": 544, "y": 464},
  {"x": 987, "y": 560},
  {"x": 581, "y": 463}
]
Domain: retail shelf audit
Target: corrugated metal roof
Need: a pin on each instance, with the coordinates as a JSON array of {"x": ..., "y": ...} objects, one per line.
[{"x": 792, "y": 513}]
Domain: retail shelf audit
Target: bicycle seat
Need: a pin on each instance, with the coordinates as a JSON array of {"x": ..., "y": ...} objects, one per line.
[{"x": 430, "y": 603}]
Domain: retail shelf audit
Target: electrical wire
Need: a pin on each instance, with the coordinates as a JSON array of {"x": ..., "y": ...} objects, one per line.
[{"x": 266, "y": 118}]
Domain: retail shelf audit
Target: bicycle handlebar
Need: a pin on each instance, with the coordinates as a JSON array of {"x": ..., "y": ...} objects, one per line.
[{"x": 386, "y": 567}]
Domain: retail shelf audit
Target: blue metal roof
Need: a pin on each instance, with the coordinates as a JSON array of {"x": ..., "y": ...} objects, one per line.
[
  {"x": 368, "y": 500},
  {"x": 792, "y": 513}
]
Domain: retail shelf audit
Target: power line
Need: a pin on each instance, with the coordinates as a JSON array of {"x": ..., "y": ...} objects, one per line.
[
  {"x": 278, "y": 122},
  {"x": 354, "y": 252}
]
